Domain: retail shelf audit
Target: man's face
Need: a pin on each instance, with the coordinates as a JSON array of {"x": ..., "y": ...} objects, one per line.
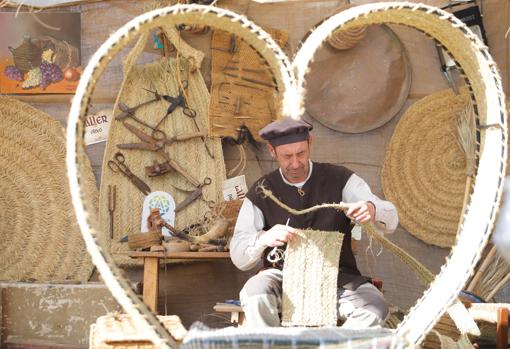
[{"x": 293, "y": 159}]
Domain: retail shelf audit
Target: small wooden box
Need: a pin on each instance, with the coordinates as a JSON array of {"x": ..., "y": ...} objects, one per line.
[{"x": 119, "y": 332}]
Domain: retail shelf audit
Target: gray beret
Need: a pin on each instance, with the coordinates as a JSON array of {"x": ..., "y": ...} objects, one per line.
[{"x": 285, "y": 131}]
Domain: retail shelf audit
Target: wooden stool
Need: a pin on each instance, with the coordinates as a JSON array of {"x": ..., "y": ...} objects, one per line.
[{"x": 236, "y": 312}]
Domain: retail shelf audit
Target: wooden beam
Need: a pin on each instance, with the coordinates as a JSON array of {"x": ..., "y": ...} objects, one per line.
[
  {"x": 151, "y": 282},
  {"x": 181, "y": 255},
  {"x": 502, "y": 329}
]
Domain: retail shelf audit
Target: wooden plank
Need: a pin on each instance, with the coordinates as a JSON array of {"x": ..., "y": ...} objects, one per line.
[
  {"x": 151, "y": 283},
  {"x": 502, "y": 328},
  {"x": 180, "y": 255},
  {"x": 1, "y": 315}
]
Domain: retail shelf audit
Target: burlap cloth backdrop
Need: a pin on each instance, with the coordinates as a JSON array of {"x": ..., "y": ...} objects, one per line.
[
  {"x": 191, "y": 154},
  {"x": 359, "y": 89},
  {"x": 242, "y": 87},
  {"x": 424, "y": 168},
  {"x": 40, "y": 239}
]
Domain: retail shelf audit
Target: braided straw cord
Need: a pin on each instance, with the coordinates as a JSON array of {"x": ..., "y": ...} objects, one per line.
[
  {"x": 485, "y": 84},
  {"x": 421, "y": 271},
  {"x": 40, "y": 239},
  {"x": 142, "y": 317}
]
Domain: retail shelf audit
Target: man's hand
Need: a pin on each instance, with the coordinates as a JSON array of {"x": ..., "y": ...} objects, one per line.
[
  {"x": 361, "y": 211},
  {"x": 278, "y": 235}
]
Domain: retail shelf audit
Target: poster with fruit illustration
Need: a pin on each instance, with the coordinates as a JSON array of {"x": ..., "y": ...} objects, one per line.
[{"x": 39, "y": 52}]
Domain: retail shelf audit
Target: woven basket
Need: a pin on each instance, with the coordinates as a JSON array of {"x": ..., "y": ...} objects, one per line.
[
  {"x": 310, "y": 279},
  {"x": 40, "y": 239},
  {"x": 228, "y": 210},
  {"x": 465, "y": 47},
  {"x": 65, "y": 55},
  {"x": 191, "y": 154},
  {"x": 119, "y": 331}
]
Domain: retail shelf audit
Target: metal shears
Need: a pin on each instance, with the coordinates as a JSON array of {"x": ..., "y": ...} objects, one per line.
[
  {"x": 195, "y": 194},
  {"x": 118, "y": 164},
  {"x": 152, "y": 144}
]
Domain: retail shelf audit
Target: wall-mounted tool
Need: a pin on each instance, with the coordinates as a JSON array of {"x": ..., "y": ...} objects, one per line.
[
  {"x": 195, "y": 194},
  {"x": 447, "y": 66},
  {"x": 180, "y": 101},
  {"x": 232, "y": 48},
  {"x": 158, "y": 169},
  {"x": 159, "y": 150},
  {"x": 118, "y": 165},
  {"x": 112, "y": 197}
]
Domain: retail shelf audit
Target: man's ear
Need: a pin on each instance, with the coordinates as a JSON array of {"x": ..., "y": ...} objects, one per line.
[
  {"x": 271, "y": 150},
  {"x": 310, "y": 140}
]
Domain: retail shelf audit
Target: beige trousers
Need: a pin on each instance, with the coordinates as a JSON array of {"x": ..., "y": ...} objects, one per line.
[{"x": 261, "y": 302}]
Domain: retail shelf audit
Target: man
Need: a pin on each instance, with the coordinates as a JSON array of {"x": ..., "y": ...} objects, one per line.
[{"x": 263, "y": 225}]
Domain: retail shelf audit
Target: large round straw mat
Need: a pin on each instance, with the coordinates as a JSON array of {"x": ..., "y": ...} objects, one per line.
[
  {"x": 424, "y": 168},
  {"x": 359, "y": 89},
  {"x": 191, "y": 154},
  {"x": 40, "y": 239}
]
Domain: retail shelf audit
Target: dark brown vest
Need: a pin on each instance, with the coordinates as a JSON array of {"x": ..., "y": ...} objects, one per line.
[{"x": 325, "y": 185}]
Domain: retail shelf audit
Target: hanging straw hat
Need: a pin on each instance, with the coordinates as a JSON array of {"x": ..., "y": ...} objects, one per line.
[
  {"x": 40, "y": 239},
  {"x": 359, "y": 89},
  {"x": 424, "y": 168}
]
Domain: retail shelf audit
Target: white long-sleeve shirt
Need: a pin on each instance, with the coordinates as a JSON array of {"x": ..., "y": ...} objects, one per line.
[{"x": 246, "y": 253}]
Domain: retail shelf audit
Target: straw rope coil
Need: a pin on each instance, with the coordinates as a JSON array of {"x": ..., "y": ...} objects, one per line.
[
  {"x": 466, "y": 49},
  {"x": 40, "y": 239},
  {"x": 424, "y": 171}
]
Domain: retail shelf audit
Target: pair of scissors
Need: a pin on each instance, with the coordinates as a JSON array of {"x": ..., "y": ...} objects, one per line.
[
  {"x": 118, "y": 164},
  {"x": 157, "y": 141},
  {"x": 195, "y": 194},
  {"x": 175, "y": 101}
]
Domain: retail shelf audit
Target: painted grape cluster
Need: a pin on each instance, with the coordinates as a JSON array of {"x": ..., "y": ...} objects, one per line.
[
  {"x": 44, "y": 75},
  {"x": 13, "y": 73}
]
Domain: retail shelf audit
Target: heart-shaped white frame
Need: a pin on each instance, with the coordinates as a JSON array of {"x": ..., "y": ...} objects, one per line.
[{"x": 481, "y": 74}]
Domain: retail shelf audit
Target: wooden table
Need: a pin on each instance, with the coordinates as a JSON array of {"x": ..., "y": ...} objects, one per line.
[{"x": 151, "y": 270}]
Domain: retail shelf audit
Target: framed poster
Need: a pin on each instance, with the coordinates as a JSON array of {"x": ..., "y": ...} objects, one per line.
[{"x": 39, "y": 52}]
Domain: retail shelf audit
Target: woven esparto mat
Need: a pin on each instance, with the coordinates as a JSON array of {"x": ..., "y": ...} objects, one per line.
[
  {"x": 424, "y": 168},
  {"x": 310, "y": 279},
  {"x": 191, "y": 154},
  {"x": 40, "y": 239},
  {"x": 241, "y": 92}
]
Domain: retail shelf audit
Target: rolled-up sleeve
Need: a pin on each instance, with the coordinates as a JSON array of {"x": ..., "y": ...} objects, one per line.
[
  {"x": 244, "y": 250},
  {"x": 386, "y": 216}
]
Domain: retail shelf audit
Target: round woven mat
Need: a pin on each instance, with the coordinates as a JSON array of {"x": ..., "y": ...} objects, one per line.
[
  {"x": 39, "y": 236},
  {"x": 424, "y": 168}
]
